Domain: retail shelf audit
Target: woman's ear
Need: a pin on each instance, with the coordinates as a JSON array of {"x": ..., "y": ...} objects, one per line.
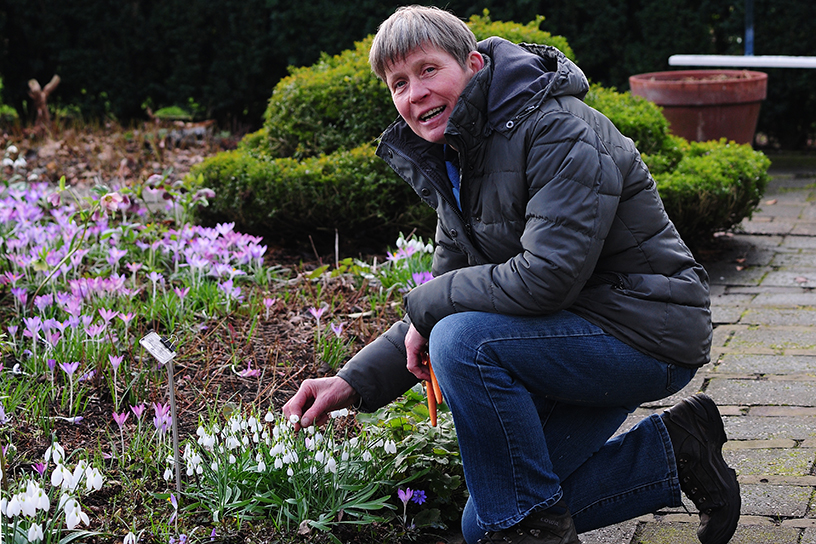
[{"x": 475, "y": 61}]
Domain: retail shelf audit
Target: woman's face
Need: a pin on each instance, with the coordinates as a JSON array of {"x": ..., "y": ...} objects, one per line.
[{"x": 425, "y": 87}]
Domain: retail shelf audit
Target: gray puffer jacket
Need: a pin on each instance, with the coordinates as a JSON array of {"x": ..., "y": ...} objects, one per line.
[{"x": 558, "y": 213}]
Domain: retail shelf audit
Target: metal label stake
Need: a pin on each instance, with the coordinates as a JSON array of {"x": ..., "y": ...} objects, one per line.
[{"x": 163, "y": 350}]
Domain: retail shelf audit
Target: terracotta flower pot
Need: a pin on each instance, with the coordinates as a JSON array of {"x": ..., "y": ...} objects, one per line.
[{"x": 705, "y": 105}]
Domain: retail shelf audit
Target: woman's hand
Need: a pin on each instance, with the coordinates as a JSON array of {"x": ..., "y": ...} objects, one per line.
[
  {"x": 416, "y": 346},
  {"x": 318, "y": 397}
]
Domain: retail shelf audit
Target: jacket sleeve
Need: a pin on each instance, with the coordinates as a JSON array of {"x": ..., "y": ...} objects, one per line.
[
  {"x": 574, "y": 187},
  {"x": 378, "y": 372}
]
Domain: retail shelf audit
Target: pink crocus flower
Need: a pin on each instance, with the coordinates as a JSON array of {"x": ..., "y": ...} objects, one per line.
[
  {"x": 249, "y": 372},
  {"x": 115, "y": 361},
  {"x": 181, "y": 291},
  {"x": 138, "y": 410},
  {"x": 120, "y": 419},
  {"x": 39, "y": 467},
  {"x": 126, "y": 318},
  {"x": 337, "y": 329},
  {"x": 317, "y": 312},
  {"x": 107, "y": 315}
]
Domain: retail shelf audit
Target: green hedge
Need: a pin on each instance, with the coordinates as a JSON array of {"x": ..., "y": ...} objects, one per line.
[{"x": 288, "y": 200}]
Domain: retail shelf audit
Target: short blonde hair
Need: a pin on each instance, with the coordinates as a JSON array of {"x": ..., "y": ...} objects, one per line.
[{"x": 412, "y": 27}]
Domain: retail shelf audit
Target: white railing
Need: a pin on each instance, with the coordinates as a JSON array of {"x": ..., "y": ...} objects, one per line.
[{"x": 744, "y": 61}]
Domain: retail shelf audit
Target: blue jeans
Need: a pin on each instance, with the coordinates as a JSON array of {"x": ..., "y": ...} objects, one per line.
[{"x": 535, "y": 401}]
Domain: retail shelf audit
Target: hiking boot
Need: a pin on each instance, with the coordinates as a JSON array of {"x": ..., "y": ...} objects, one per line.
[
  {"x": 697, "y": 436},
  {"x": 542, "y": 527}
]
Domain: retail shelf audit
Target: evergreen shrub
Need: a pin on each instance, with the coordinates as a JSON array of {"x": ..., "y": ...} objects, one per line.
[
  {"x": 713, "y": 187},
  {"x": 287, "y": 199}
]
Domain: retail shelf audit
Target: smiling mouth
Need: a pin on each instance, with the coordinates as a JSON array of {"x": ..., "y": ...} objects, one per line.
[{"x": 431, "y": 114}]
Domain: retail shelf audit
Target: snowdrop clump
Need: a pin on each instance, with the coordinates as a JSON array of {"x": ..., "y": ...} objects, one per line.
[{"x": 28, "y": 511}]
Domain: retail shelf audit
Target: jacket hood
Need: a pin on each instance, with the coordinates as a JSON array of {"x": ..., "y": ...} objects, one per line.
[{"x": 518, "y": 77}]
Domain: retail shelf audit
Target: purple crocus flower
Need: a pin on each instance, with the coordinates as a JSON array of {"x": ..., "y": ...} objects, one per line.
[
  {"x": 107, "y": 315},
  {"x": 69, "y": 368},
  {"x": 120, "y": 419},
  {"x": 337, "y": 329},
  {"x": 138, "y": 410},
  {"x": 115, "y": 361}
]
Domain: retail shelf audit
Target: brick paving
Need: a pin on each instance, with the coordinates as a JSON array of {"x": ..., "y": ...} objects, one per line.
[{"x": 762, "y": 376}]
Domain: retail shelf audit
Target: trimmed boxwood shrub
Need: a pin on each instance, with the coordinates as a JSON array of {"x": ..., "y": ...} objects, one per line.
[
  {"x": 714, "y": 186},
  {"x": 287, "y": 199}
]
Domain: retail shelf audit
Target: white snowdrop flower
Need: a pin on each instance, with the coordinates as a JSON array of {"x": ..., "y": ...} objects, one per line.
[
  {"x": 252, "y": 423},
  {"x": 8, "y": 162},
  {"x": 261, "y": 466},
  {"x": 55, "y": 452},
  {"x": 199, "y": 470},
  {"x": 378, "y": 443},
  {"x": 74, "y": 514},
  {"x": 93, "y": 479},
  {"x": 235, "y": 425},
  {"x": 429, "y": 248},
  {"x": 20, "y": 162},
  {"x": 353, "y": 442},
  {"x": 310, "y": 429},
  {"x": 290, "y": 472},
  {"x": 3, "y": 504},
  {"x": 344, "y": 456},
  {"x": 269, "y": 417},
  {"x": 245, "y": 440},
  {"x": 232, "y": 459},
  {"x": 14, "y": 507},
  {"x": 216, "y": 429},
  {"x": 295, "y": 458},
  {"x": 366, "y": 456},
  {"x": 168, "y": 473},
  {"x": 35, "y": 533},
  {"x": 276, "y": 432},
  {"x": 130, "y": 538},
  {"x": 59, "y": 475},
  {"x": 390, "y": 447},
  {"x": 320, "y": 456},
  {"x": 309, "y": 443},
  {"x": 29, "y": 505},
  {"x": 199, "y": 432},
  {"x": 256, "y": 437},
  {"x": 233, "y": 443},
  {"x": 214, "y": 466},
  {"x": 339, "y": 413},
  {"x": 294, "y": 419},
  {"x": 318, "y": 437},
  {"x": 190, "y": 470},
  {"x": 331, "y": 465},
  {"x": 312, "y": 469},
  {"x": 278, "y": 463},
  {"x": 12, "y": 149},
  {"x": 277, "y": 449}
]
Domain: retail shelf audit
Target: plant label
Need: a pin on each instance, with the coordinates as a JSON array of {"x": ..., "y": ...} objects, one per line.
[{"x": 158, "y": 347}]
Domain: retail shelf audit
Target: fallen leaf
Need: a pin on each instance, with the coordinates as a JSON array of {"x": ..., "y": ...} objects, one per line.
[{"x": 771, "y": 202}]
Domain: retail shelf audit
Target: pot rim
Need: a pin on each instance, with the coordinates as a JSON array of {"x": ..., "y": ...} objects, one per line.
[{"x": 699, "y": 77}]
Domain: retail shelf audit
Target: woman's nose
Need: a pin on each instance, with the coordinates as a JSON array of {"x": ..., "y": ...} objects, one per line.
[{"x": 418, "y": 91}]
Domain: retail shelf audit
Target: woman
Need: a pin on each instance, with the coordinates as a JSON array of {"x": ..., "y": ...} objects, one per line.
[{"x": 562, "y": 298}]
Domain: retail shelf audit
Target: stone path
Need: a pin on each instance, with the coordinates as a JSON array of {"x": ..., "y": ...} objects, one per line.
[{"x": 762, "y": 376}]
